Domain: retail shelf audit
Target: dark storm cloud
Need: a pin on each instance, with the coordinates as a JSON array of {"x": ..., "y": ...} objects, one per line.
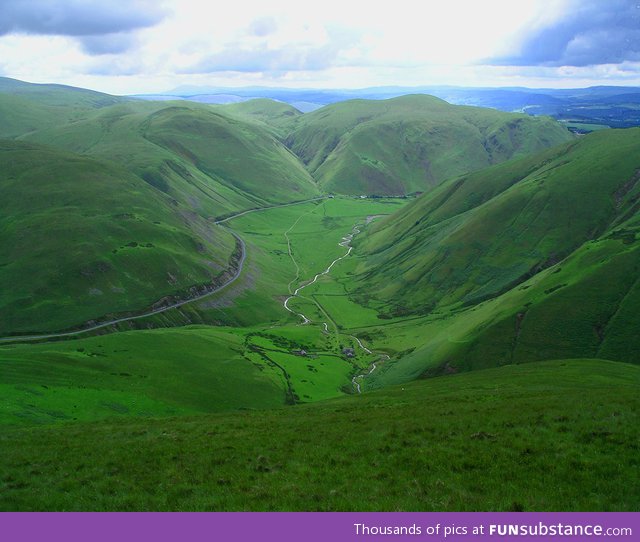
[
  {"x": 594, "y": 32},
  {"x": 100, "y": 26}
]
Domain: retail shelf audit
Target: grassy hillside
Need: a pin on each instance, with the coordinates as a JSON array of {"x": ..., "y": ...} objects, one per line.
[
  {"x": 82, "y": 238},
  {"x": 476, "y": 236},
  {"x": 27, "y": 107},
  {"x": 242, "y": 157},
  {"x": 58, "y": 95},
  {"x": 212, "y": 159},
  {"x": 411, "y": 143},
  {"x": 267, "y": 347},
  {"x": 213, "y": 163},
  {"x": 546, "y": 436},
  {"x": 529, "y": 260},
  {"x": 135, "y": 374},
  {"x": 278, "y": 116}
]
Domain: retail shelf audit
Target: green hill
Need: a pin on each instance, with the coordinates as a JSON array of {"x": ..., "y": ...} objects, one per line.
[
  {"x": 555, "y": 436},
  {"x": 164, "y": 372},
  {"x": 243, "y": 157},
  {"x": 118, "y": 214},
  {"x": 27, "y": 107},
  {"x": 214, "y": 163},
  {"x": 529, "y": 260},
  {"x": 279, "y": 116},
  {"x": 58, "y": 95},
  {"x": 82, "y": 238},
  {"x": 411, "y": 143}
]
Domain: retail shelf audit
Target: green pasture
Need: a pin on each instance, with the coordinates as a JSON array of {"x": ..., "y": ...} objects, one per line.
[
  {"x": 139, "y": 373},
  {"x": 551, "y": 436}
]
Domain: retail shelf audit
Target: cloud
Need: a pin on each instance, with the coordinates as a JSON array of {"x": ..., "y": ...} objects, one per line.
[
  {"x": 593, "y": 32},
  {"x": 100, "y": 27},
  {"x": 108, "y": 44},
  {"x": 265, "y": 60},
  {"x": 288, "y": 56},
  {"x": 118, "y": 67},
  {"x": 263, "y": 26}
]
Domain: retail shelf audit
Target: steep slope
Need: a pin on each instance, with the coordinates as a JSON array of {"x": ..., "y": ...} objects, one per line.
[
  {"x": 82, "y": 238},
  {"x": 214, "y": 163},
  {"x": 532, "y": 259},
  {"x": 241, "y": 156},
  {"x": 140, "y": 230},
  {"x": 411, "y": 143}
]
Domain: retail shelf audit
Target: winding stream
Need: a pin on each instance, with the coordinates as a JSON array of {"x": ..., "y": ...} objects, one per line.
[{"x": 346, "y": 243}]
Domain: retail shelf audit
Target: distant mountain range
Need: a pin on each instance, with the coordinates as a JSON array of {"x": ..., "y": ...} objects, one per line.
[{"x": 583, "y": 109}]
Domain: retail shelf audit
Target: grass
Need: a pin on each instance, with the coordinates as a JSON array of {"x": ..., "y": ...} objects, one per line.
[
  {"x": 411, "y": 143},
  {"x": 314, "y": 230},
  {"x": 271, "y": 115},
  {"x": 27, "y": 107},
  {"x": 165, "y": 371},
  {"x": 543, "y": 436},
  {"x": 120, "y": 210},
  {"x": 140, "y": 373},
  {"x": 478, "y": 236},
  {"x": 530, "y": 260},
  {"x": 584, "y": 127},
  {"x": 216, "y": 164},
  {"x": 91, "y": 240}
]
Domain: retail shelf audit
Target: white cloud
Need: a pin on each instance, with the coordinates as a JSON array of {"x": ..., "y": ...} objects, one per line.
[{"x": 336, "y": 44}]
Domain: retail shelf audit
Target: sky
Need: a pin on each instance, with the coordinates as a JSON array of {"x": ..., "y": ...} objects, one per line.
[{"x": 151, "y": 46}]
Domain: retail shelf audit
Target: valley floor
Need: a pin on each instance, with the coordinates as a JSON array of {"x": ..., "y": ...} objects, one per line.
[{"x": 250, "y": 400}]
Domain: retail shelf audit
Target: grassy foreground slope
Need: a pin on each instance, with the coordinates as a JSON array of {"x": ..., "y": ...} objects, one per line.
[
  {"x": 135, "y": 374},
  {"x": 544, "y": 436},
  {"x": 411, "y": 143},
  {"x": 82, "y": 238},
  {"x": 529, "y": 260}
]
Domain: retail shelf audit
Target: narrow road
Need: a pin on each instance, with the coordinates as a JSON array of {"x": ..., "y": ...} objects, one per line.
[
  {"x": 153, "y": 312},
  {"x": 234, "y": 277},
  {"x": 242, "y": 213}
]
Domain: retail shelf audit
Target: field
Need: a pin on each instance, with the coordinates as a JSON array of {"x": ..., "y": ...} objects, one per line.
[
  {"x": 556, "y": 436},
  {"x": 206, "y": 410},
  {"x": 203, "y": 368}
]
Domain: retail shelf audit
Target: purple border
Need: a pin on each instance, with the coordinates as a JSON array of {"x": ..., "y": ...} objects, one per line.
[{"x": 307, "y": 527}]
